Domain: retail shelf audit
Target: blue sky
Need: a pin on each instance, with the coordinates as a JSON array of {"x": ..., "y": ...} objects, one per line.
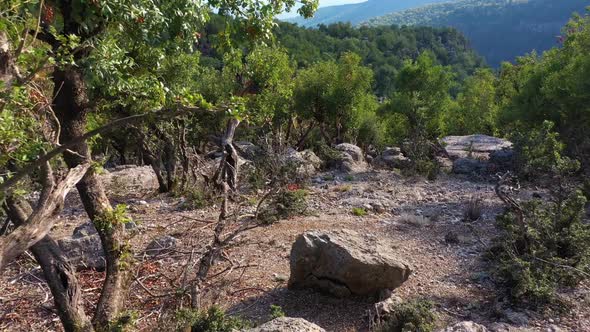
[{"x": 323, "y": 3}]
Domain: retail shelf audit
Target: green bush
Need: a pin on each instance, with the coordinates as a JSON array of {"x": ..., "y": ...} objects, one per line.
[
  {"x": 538, "y": 151},
  {"x": 412, "y": 316},
  {"x": 547, "y": 248},
  {"x": 286, "y": 204}
]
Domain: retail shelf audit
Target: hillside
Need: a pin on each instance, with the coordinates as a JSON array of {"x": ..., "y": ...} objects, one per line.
[
  {"x": 357, "y": 13},
  {"x": 384, "y": 49},
  {"x": 500, "y": 30}
]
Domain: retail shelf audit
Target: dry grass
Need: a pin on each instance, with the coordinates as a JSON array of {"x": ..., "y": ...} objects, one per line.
[{"x": 473, "y": 209}]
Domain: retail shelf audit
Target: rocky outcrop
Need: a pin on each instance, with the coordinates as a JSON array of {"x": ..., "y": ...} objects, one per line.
[
  {"x": 84, "y": 251},
  {"x": 467, "y": 326},
  {"x": 478, "y": 154},
  {"x": 344, "y": 263},
  {"x": 392, "y": 157},
  {"x": 132, "y": 179},
  {"x": 350, "y": 159},
  {"x": 287, "y": 324},
  {"x": 473, "y": 145},
  {"x": 306, "y": 161}
]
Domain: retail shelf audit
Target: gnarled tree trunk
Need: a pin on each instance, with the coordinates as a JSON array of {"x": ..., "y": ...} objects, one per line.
[
  {"x": 59, "y": 273},
  {"x": 72, "y": 107}
]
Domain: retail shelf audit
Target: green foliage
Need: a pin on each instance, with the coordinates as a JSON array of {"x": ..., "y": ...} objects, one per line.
[
  {"x": 335, "y": 95},
  {"x": 359, "y": 212},
  {"x": 276, "y": 311},
  {"x": 551, "y": 250},
  {"x": 285, "y": 204},
  {"x": 212, "y": 320},
  {"x": 553, "y": 88},
  {"x": 539, "y": 152},
  {"x": 412, "y": 316},
  {"x": 477, "y": 107},
  {"x": 110, "y": 219},
  {"x": 384, "y": 49}
]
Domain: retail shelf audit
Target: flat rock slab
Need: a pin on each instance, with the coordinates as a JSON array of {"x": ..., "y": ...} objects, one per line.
[
  {"x": 345, "y": 263},
  {"x": 287, "y": 324},
  {"x": 463, "y": 146}
]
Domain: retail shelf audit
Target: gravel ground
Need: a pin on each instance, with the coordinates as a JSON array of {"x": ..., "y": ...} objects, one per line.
[{"x": 253, "y": 274}]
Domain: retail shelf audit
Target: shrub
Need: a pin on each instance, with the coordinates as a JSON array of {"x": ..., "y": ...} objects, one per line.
[
  {"x": 544, "y": 245},
  {"x": 412, "y": 316},
  {"x": 286, "y": 204},
  {"x": 359, "y": 212},
  {"x": 538, "y": 151},
  {"x": 422, "y": 154},
  {"x": 216, "y": 320}
]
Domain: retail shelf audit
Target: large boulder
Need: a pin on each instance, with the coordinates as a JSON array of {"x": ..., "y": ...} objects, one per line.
[
  {"x": 466, "y": 326},
  {"x": 84, "y": 252},
  {"x": 350, "y": 159},
  {"x": 345, "y": 263},
  {"x": 307, "y": 162},
  {"x": 130, "y": 179},
  {"x": 393, "y": 157},
  {"x": 248, "y": 150},
  {"x": 473, "y": 146},
  {"x": 287, "y": 324}
]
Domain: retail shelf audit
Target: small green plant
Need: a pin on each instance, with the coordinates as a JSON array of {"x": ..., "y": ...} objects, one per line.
[
  {"x": 212, "y": 320},
  {"x": 112, "y": 218},
  {"x": 412, "y": 316},
  {"x": 349, "y": 178},
  {"x": 328, "y": 177},
  {"x": 276, "y": 311},
  {"x": 193, "y": 199},
  {"x": 359, "y": 212}
]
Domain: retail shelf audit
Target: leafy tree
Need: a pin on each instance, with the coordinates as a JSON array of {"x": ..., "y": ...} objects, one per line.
[
  {"x": 477, "y": 106},
  {"x": 334, "y": 96}
]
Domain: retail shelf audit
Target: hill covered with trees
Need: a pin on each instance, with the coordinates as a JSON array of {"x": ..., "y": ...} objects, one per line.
[
  {"x": 499, "y": 29},
  {"x": 384, "y": 49}
]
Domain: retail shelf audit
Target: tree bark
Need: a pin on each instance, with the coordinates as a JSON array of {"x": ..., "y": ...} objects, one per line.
[
  {"x": 59, "y": 273},
  {"x": 71, "y": 107}
]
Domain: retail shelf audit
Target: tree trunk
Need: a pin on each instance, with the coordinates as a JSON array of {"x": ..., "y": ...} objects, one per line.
[
  {"x": 71, "y": 107},
  {"x": 59, "y": 273}
]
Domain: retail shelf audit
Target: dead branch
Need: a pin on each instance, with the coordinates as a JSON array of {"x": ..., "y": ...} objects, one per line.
[{"x": 39, "y": 223}]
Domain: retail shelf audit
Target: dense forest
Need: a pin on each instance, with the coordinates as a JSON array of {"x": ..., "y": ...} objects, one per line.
[
  {"x": 500, "y": 30},
  {"x": 383, "y": 49},
  {"x": 244, "y": 124}
]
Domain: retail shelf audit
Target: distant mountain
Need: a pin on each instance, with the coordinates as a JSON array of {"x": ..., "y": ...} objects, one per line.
[
  {"x": 359, "y": 12},
  {"x": 498, "y": 29}
]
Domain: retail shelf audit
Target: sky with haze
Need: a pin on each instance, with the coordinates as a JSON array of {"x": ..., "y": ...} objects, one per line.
[{"x": 323, "y": 3}]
